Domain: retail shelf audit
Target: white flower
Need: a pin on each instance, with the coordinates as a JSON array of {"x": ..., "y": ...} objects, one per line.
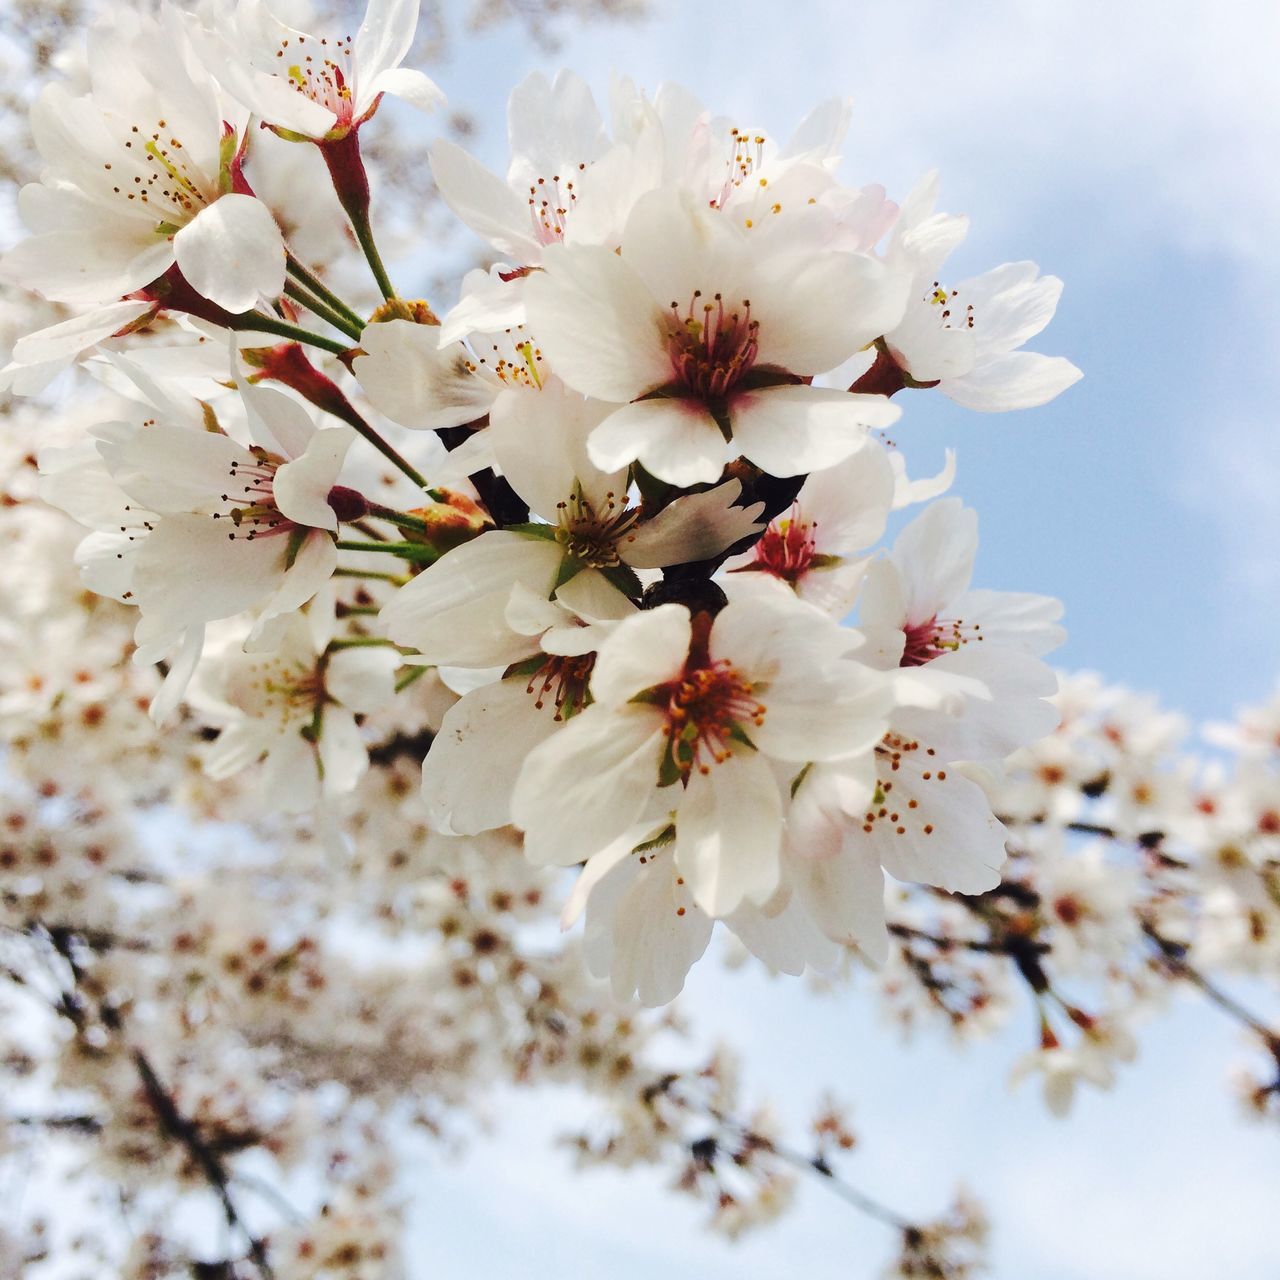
[
  {"x": 455, "y": 611},
  {"x": 137, "y": 177},
  {"x": 239, "y": 526},
  {"x": 317, "y": 87},
  {"x": 294, "y": 708},
  {"x": 555, "y": 133},
  {"x": 965, "y": 337},
  {"x": 703, "y": 727},
  {"x": 972, "y": 689},
  {"x": 1090, "y": 1060},
  {"x": 920, "y": 615},
  {"x": 485, "y": 738},
  {"x": 706, "y": 336},
  {"x": 839, "y": 511}
]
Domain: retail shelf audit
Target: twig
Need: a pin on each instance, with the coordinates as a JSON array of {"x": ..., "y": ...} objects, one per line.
[
  {"x": 180, "y": 1128},
  {"x": 1174, "y": 954},
  {"x": 788, "y": 1155}
]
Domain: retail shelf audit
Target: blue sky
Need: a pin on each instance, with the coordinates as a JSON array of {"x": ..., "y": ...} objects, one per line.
[{"x": 1130, "y": 149}]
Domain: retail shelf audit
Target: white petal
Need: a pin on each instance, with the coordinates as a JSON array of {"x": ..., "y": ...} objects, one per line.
[
  {"x": 790, "y": 430},
  {"x": 1019, "y": 380},
  {"x": 454, "y": 610},
  {"x": 384, "y": 37},
  {"x": 475, "y": 759},
  {"x": 181, "y": 668},
  {"x": 935, "y": 555},
  {"x": 587, "y": 784},
  {"x": 676, "y": 440},
  {"x": 301, "y": 487},
  {"x": 343, "y": 757},
  {"x": 599, "y": 326},
  {"x": 416, "y": 382},
  {"x": 67, "y": 267},
  {"x": 413, "y": 87},
  {"x": 488, "y": 304},
  {"x": 848, "y": 504},
  {"x": 70, "y": 337},
  {"x": 237, "y": 747},
  {"x": 484, "y": 202},
  {"x": 190, "y": 571},
  {"x": 646, "y": 650},
  {"x": 290, "y": 779},
  {"x": 965, "y": 848},
  {"x": 232, "y": 253},
  {"x": 816, "y": 310},
  {"x": 277, "y": 422},
  {"x": 594, "y": 599},
  {"x": 1018, "y": 619},
  {"x": 694, "y": 527},
  {"x": 643, "y": 930},
  {"x": 788, "y": 942},
  {"x": 539, "y": 440},
  {"x": 907, "y": 492},
  {"x": 312, "y": 567},
  {"x": 729, "y": 834},
  {"x": 1010, "y": 307},
  {"x": 363, "y": 678},
  {"x": 845, "y": 896}
]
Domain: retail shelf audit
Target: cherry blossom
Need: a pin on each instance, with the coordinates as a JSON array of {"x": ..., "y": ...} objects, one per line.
[
  {"x": 139, "y": 176},
  {"x": 709, "y": 340}
]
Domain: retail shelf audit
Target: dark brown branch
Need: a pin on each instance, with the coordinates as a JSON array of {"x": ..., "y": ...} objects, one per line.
[
  {"x": 183, "y": 1130},
  {"x": 665, "y": 1086},
  {"x": 1174, "y": 956}
]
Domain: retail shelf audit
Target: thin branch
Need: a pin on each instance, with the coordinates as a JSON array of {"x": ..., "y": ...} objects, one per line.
[
  {"x": 1174, "y": 955},
  {"x": 816, "y": 1165},
  {"x": 180, "y": 1128}
]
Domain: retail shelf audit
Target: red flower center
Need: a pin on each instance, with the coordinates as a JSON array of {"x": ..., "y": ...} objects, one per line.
[{"x": 712, "y": 346}]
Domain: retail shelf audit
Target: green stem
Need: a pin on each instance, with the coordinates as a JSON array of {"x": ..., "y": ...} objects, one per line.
[
  {"x": 321, "y": 309},
  {"x": 324, "y": 293},
  {"x": 406, "y": 550},
  {"x": 256, "y": 322},
  {"x": 364, "y": 234},
  {"x": 414, "y": 673},
  {"x": 363, "y": 642},
  {"x": 398, "y": 518},
  {"x": 398, "y": 579}
]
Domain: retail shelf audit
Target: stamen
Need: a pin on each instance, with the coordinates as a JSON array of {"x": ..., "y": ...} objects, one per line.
[
  {"x": 928, "y": 640},
  {"x": 707, "y": 710},
  {"x": 712, "y": 346},
  {"x": 565, "y": 680}
]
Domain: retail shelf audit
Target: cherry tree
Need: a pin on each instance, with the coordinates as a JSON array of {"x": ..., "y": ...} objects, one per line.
[{"x": 401, "y": 695}]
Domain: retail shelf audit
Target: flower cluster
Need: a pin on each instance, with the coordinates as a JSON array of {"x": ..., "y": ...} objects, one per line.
[
  {"x": 641, "y": 503},
  {"x": 599, "y": 595}
]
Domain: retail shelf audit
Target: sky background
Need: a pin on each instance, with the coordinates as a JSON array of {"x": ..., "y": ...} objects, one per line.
[{"x": 1129, "y": 148}]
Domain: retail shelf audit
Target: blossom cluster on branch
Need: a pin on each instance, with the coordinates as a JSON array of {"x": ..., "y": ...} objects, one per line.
[
  {"x": 391, "y": 613},
  {"x": 633, "y": 532}
]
